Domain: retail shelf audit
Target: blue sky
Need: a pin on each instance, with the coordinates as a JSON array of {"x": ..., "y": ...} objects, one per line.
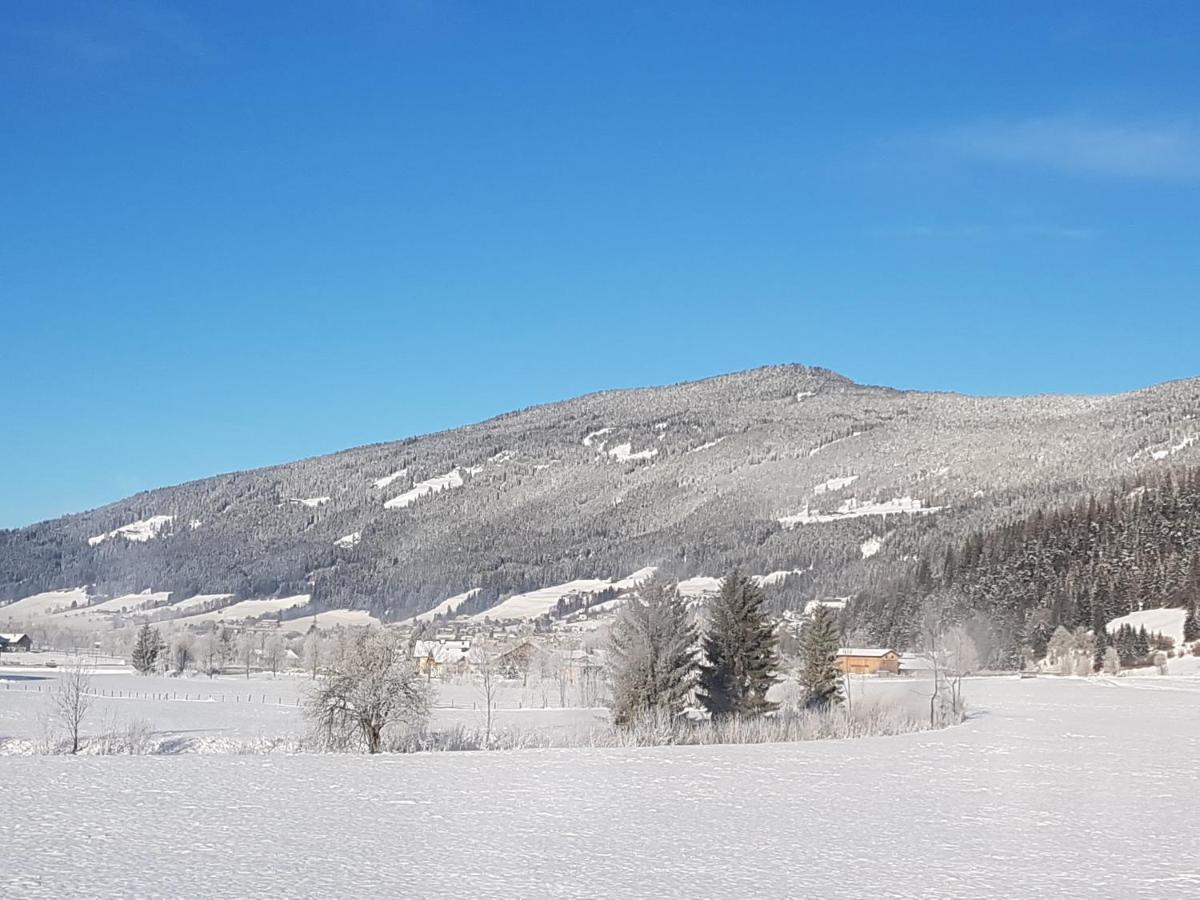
[{"x": 237, "y": 234}]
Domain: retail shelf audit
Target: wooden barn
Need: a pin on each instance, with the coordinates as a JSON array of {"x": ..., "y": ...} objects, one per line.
[{"x": 856, "y": 661}]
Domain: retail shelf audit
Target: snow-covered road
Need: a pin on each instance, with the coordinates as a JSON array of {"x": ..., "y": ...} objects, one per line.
[{"x": 1056, "y": 788}]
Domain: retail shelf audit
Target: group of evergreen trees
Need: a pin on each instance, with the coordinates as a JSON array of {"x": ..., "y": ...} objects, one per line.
[{"x": 658, "y": 661}]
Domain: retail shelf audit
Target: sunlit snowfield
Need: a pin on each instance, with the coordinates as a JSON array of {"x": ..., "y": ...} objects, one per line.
[{"x": 1055, "y": 787}]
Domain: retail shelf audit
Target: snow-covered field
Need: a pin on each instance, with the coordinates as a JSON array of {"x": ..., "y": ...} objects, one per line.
[
  {"x": 228, "y": 712},
  {"x": 1055, "y": 787}
]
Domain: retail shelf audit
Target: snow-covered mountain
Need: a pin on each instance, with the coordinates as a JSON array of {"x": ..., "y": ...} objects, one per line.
[{"x": 785, "y": 469}]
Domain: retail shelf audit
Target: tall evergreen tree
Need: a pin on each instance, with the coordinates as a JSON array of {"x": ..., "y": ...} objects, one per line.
[
  {"x": 651, "y": 655},
  {"x": 147, "y": 649},
  {"x": 1191, "y": 623},
  {"x": 739, "y": 651},
  {"x": 1100, "y": 638},
  {"x": 820, "y": 676}
]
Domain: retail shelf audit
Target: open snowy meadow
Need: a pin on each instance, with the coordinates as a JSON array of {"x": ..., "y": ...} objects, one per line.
[{"x": 1054, "y": 787}]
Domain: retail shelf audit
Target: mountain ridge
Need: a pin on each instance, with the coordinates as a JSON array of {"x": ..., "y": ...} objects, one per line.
[{"x": 777, "y": 468}]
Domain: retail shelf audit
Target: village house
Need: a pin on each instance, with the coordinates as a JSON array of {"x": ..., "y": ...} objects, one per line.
[
  {"x": 441, "y": 657},
  {"x": 528, "y": 658},
  {"x": 854, "y": 661},
  {"x": 10, "y": 643},
  {"x": 915, "y": 665}
]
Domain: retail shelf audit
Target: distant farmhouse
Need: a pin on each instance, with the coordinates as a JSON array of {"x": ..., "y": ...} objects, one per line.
[
  {"x": 437, "y": 657},
  {"x": 11, "y": 643},
  {"x": 868, "y": 662}
]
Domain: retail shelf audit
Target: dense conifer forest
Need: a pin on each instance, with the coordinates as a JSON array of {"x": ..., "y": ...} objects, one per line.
[{"x": 1077, "y": 566}]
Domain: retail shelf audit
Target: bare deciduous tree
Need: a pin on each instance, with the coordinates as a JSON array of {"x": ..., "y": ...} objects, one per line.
[
  {"x": 371, "y": 685},
  {"x": 182, "y": 651},
  {"x": 274, "y": 652},
  {"x": 245, "y": 649},
  {"x": 208, "y": 654},
  {"x": 312, "y": 653},
  {"x": 71, "y": 699},
  {"x": 482, "y": 659}
]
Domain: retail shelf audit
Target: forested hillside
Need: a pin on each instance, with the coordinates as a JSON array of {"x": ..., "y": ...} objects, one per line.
[
  {"x": 1135, "y": 547},
  {"x": 781, "y": 470}
]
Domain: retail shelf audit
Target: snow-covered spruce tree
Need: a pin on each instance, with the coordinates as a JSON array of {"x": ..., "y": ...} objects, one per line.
[
  {"x": 1191, "y": 623},
  {"x": 820, "y": 677},
  {"x": 739, "y": 661},
  {"x": 1101, "y": 648},
  {"x": 651, "y": 655},
  {"x": 147, "y": 650},
  {"x": 372, "y": 685}
]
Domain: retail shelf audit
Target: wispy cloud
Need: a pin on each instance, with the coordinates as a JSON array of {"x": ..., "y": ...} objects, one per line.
[{"x": 1085, "y": 145}]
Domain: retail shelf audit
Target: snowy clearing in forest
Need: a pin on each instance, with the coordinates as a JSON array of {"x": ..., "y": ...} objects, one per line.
[
  {"x": 999, "y": 807},
  {"x": 381, "y": 483},
  {"x": 349, "y": 541},
  {"x": 835, "y": 484},
  {"x": 624, "y": 453},
  {"x": 1167, "y": 622},
  {"x": 435, "y": 485},
  {"x": 590, "y": 438},
  {"x": 854, "y": 509},
  {"x": 871, "y": 547},
  {"x": 310, "y": 502},
  {"x": 141, "y": 531}
]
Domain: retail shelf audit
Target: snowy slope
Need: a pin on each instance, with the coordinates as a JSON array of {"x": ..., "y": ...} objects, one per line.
[
  {"x": 532, "y": 604},
  {"x": 44, "y": 604},
  {"x": 248, "y": 609},
  {"x": 444, "y": 607},
  {"x": 128, "y": 603},
  {"x": 1167, "y": 622}
]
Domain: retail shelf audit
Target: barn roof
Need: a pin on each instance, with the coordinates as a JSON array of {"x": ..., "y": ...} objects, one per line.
[{"x": 852, "y": 651}]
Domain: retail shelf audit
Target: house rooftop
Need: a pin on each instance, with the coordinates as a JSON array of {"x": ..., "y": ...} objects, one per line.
[{"x": 857, "y": 651}]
